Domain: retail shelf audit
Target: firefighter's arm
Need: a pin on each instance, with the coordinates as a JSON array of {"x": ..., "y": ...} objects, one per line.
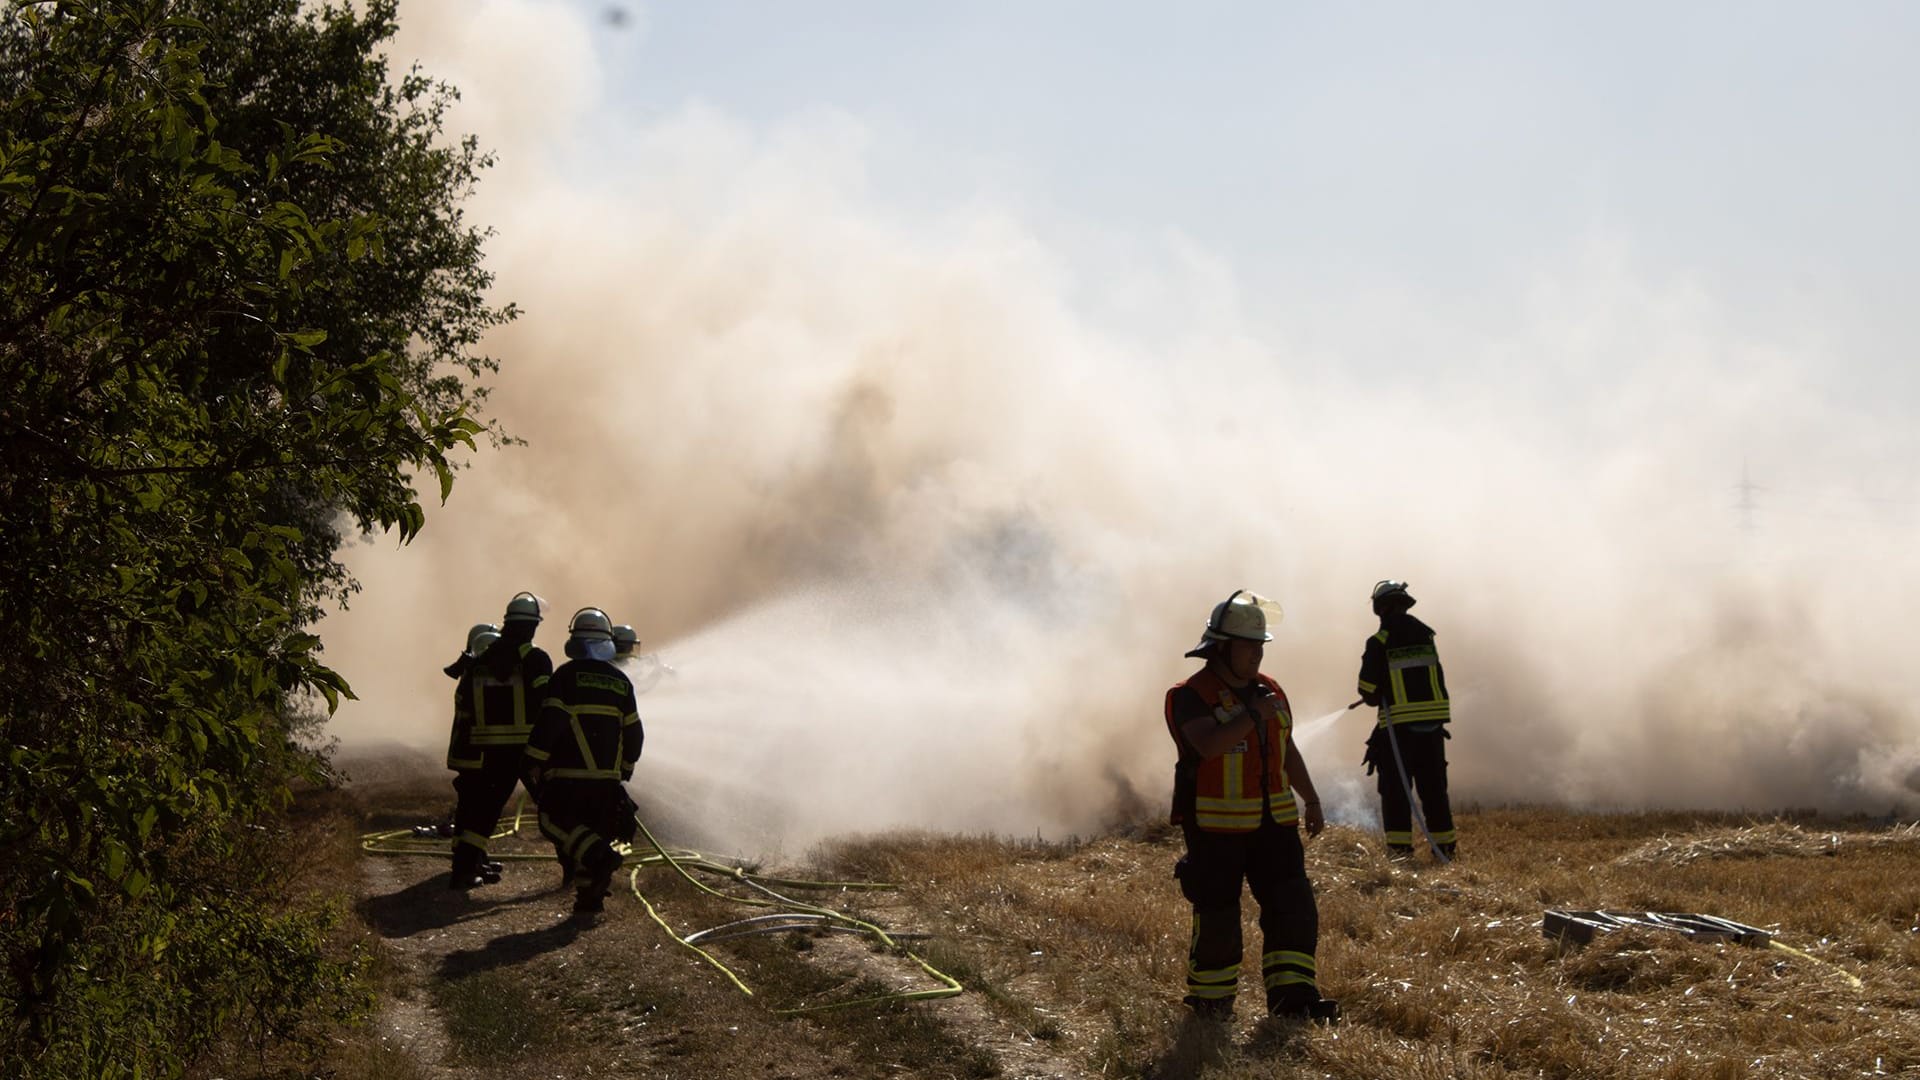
[
  {"x": 1373, "y": 671},
  {"x": 1303, "y": 792},
  {"x": 536, "y": 668},
  {"x": 1210, "y": 738},
  {"x": 632, "y": 734},
  {"x": 459, "y": 755},
  {"x": 540, "y": 741}
]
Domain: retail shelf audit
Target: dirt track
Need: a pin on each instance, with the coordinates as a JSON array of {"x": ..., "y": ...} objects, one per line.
[
  {"x": 504, "y": 980},
  {"x": 1073, "y": 954}
]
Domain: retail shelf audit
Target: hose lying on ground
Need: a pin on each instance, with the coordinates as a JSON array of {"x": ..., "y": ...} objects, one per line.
[{"x": 795, "y": 914}]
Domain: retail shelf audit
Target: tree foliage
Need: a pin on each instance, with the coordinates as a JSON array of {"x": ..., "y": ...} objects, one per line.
[{"x": 239, "y": 314}]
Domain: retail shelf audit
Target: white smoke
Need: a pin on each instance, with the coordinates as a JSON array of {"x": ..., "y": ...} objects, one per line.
[{"x": 924, "y": 537}]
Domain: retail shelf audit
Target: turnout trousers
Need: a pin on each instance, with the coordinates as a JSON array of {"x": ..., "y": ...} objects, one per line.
[
  {"x": 481, "y": 795},
  {"x": 1272, "y": 863},
  {"x": 584, "y": 818},
  {"x": 1425, "y": 753}
]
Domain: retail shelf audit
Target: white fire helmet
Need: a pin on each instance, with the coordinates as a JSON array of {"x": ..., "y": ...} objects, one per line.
[
  {"x": 525, "y": 607},
  {"x": 480, "y": 636},
  {"x": 591, "y": 624},
  {"x": 1243, "y": 615},
  {"x": 625, "y": 640}
]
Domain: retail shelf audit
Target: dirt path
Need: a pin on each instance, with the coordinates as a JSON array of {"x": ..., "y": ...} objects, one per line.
[{"x": 504, "y": 981}]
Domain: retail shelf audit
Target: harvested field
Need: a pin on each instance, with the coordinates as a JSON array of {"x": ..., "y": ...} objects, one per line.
[{"x": 1072, "y": 954}]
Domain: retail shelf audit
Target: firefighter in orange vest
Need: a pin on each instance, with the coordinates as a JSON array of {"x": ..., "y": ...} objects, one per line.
[{"x": 1234, "y": 798}]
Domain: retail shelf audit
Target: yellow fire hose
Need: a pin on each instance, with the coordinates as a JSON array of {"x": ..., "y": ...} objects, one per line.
[
  {"x": 949, "y": 988},
  {"x": 1852, "y": 979},
  {"x": 802, "y": 915}
]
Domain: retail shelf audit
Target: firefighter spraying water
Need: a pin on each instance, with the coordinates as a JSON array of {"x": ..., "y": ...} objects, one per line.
[{"x": 1400, "y": 673}]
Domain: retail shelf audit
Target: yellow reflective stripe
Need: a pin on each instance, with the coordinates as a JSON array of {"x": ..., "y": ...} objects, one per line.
[
  {"x": 1243, "y": 814},
  {"x": 1208, "y": 802},
  {"x": 1445, "y": 836},
  {"x": 1367, "y": 687},
  {"x": 564, "y": 839},
  {"x": 1288, "y": 978},
  {"x": 464, "y": 763},
  {"x": 501, "y": 737},
  {"x": 537, "y": 754},
  {"x": 467, "y": 836},
  {"x": 1380, "y": 637},
  {"x": 1211, "y": 993},
  {"x": 581, "y": 774},
  {"x": 1215, "y": 975},
  {"x": 1402, "y": 838},
  {"x": 1226, "y": 824},
  {"x": 596, "y": 710},
  {"x": 580, "y": 738},
  {"x": 1287, "y": 956},
  {"x": 1399, "y": 687},
  {"x": 630, "y": 719}
]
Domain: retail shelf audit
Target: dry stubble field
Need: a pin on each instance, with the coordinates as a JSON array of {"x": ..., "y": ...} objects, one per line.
[{"x": 1072, "y": 954}]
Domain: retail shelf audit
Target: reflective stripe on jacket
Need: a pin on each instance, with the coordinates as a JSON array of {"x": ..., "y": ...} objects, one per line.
[
  {"x": 503, "y": 708},
  {"x": 589, "y": 726},
  {"x": 1402, "y": 667},
  {"x": 1227, "y": 793},
  {"x": 460, "y": 750}
]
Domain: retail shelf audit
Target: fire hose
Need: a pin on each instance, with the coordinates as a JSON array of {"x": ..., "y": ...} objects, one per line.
[
  {"x": 794, "y": 914},
  {"x": 1406, "y": 785}
]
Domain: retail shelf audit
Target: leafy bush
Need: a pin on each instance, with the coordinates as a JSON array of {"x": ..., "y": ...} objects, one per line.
[{"x": 238, "y": 313}]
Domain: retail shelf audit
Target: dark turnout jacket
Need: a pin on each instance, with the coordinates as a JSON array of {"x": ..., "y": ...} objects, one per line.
[
  {"x": 1400, "y": 672},
  {"x": 589, "y": 726}
]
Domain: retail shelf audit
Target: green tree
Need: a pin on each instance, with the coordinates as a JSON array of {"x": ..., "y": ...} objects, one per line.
[{"x": 239, "y": 315}]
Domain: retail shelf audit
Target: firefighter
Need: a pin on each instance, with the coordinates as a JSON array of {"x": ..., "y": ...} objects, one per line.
[
  {"x": 625, "y": 640},
  {"x": 461, "y": 755},
  {"x": 1400, "y": 673},
  {"x": 582, "y": 753},
  {"x": 504, "y": 685},
  {"x": 643, "y": 671},
  {"x": 1234, "y": 798}
]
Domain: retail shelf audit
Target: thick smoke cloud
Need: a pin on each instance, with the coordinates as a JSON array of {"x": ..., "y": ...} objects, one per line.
[{"x": 924, "y": 533}]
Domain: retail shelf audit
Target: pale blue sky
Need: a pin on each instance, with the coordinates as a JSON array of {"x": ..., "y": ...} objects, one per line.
[{"x": 1768, "y": 153}]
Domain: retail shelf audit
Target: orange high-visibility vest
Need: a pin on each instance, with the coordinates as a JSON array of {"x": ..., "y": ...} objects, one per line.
[{"x": 1227, "y": 793}]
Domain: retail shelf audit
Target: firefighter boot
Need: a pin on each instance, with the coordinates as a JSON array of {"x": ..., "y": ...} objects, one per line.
[
  {"x": 601, "y": 862},
  {"x": 1217, "y": 1009},
  {"x": 1308, "y": 1007},
  {"x": 466, "y": 873}
]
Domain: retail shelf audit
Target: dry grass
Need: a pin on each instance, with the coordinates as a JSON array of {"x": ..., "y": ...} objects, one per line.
[
  {"x": 1074, "y": 955},
  {"x": 1766, "y": 840},
  {"x": 1444, "y": 972}
]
